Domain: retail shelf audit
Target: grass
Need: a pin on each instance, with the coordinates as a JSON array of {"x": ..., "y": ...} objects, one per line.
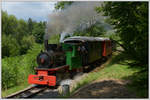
[
  {"x": 14, "y": 89},
  {"x": 120, "y": 68},
  {"x": 15, "y": 70}
]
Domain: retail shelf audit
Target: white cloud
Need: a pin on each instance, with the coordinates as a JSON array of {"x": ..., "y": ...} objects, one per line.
[{"x": 36, "y": 10}]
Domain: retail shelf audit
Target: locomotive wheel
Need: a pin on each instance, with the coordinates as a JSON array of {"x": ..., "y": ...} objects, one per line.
[
  {"x": 85, "y": 70},
  {"x": 72, "y": 74}
]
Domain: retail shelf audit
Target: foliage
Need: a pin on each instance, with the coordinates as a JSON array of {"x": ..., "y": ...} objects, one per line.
[
  {"x": 39, "y": 31},
  {"x": 62, "y": 5},
  {"x": 54, "y": 39},
  {"x": 131, "y": 23},
  {"x": 15, "y": 70},
  {"x": 119, "y": 68},
  {"x": 30, "y": 25},
  {"x": 10, "y": 46},
  {"x": 94, "y": 30},
  {"x": 20, "y": 48},
  {"x": 22, "y": 29},
  {"x": 9, "y": 23},
  {"x": 9, "y": 73},
  {"x": 19, "y": 35},
  {"x": 26, "y": 43}
]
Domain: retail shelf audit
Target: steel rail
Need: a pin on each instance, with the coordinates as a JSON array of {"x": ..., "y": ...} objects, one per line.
[{"x": 26, "y": 93}]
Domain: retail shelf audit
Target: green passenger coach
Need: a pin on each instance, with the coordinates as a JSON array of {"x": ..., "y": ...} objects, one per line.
[
  {"x": 81, "y": 51},
  {"x": 73, "y": 58}
]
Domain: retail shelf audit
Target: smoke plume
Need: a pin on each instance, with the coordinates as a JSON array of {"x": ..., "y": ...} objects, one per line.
[{"x": 79, "y": 15}]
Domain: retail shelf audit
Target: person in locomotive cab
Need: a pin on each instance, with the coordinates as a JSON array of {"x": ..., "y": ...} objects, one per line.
[{"x": 83, "y": 52}]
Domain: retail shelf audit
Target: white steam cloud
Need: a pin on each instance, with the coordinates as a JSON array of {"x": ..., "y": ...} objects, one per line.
[{"x": 79, "y": 15}]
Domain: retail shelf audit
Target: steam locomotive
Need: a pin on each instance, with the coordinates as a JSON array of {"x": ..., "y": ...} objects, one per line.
[{"x": 70, "y": 56}]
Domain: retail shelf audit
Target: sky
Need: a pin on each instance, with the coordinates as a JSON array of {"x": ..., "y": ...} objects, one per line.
[{"x": 38, "y": 11}]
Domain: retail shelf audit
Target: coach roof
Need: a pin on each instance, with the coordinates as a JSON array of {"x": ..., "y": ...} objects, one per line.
[{"x": 85, "y": 39}]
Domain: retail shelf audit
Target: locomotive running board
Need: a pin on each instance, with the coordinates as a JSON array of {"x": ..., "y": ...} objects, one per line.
[{"x": 53, "y": 69}]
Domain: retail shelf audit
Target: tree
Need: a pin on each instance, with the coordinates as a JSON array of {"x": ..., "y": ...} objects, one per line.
[
  {"x": 9, "y": 23},
  {"x": 26, "y": 43},
  {"x": 131, "y": 22},
  {"x": 15, "y": 37},
  {"x": 62, "y": 5},
  {"x": 4, "y": 22},
  {"x": 30, "y": 25},
  {"x": 94, "y": 30},
  {"x": 10, "y": 46},
  {"x": 22, "y": 30},
  {"x": 39, "y": 31}
]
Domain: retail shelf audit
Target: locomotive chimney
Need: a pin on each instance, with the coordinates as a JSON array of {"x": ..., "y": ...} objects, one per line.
[
  {"x": 46, "y": 39},
  {"x": 46, "y": 44}
]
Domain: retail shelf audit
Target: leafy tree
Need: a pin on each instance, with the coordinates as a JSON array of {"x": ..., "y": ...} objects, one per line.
[
  {"x": 4, "y": 22},
  {"x": 54, "y": 39},
  {"x": 22, "y": 30},
  {"x": 62, "y": 5},
  {"x": 26, "y": 43},
  {"x": 131, "y": 23},
  {"x": 9, "y": 23},
  {"x": 12, "y": 24},
  {"x": 10, "y": 46},
  {"x": 39, "y": 31},
  {"x": 30, "y": 25},
  {"x": 94, "y": 30}
]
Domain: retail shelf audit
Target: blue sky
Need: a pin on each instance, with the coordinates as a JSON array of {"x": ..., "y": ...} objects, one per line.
[{"x": 38, "y": 11}]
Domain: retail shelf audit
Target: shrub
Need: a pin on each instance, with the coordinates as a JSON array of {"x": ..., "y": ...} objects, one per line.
[{"x": 15, "y": 70}]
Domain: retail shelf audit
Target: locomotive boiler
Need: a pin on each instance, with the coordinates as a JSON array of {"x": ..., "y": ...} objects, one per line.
[{"x": 52, "y": 56}]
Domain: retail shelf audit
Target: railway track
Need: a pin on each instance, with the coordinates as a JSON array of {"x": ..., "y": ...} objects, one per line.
[
  {"x": 27, "y": 93},
  {"x": 34, "y": 90}
]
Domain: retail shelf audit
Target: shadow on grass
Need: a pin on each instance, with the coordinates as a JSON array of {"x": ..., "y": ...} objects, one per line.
[
  {"x": 139, "y": 80},
  {"x": 125, "y": 59},
  {"x": 139, "y": 83},
  {"x": 118, "y": 58}
]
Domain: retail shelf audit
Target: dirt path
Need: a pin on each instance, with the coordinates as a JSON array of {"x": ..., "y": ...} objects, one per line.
[
  {"x": 104, "y": 88},
  {"x": 107, "y": 88}
]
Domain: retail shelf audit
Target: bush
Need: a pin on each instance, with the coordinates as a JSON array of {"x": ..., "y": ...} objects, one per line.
[
  {"x": 10, "y": 47},
  {"x": 26, "y": 43},
  {"x": 10, "y": 71},
  {"x": 54, "y": 39},
  {"x": 15, "y": 70}
]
